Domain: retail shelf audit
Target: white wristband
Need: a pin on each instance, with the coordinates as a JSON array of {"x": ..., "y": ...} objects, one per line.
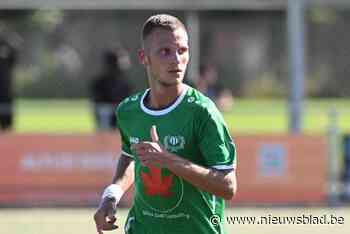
[{"x": 113, "y": 191}]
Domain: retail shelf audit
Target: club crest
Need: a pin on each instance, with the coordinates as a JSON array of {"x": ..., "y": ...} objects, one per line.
[{"x": 174, "y": 143}]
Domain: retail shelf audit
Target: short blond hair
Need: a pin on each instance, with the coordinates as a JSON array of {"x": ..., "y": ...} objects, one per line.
[{"x": 163, "y": 21}]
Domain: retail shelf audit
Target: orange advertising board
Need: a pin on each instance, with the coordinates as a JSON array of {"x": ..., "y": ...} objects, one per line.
[
  {"x": 49, "y": 169},
  {"x": 74, "y": 169},
  {"x": 281, "y": 169}
]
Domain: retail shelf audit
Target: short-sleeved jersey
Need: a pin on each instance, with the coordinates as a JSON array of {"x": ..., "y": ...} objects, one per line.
[{"x": 193, "y": 129}]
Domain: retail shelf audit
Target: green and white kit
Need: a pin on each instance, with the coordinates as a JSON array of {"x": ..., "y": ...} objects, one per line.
[{"x": 191, "y": 128}]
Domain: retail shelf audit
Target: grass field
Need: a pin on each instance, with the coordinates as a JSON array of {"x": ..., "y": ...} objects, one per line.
[
  {"x": 248, "y": 116},
  {"x": 79, "y": 221}
]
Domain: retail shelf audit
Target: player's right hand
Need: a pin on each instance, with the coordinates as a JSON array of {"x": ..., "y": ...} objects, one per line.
[{"x": 105, "y": 215}]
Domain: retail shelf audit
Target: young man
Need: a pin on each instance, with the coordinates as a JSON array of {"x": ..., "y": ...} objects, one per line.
[{"x": 176, "y": 148}]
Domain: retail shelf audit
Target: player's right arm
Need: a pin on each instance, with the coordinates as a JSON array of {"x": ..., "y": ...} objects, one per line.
[
  {"x": 124, "y": 175},
  {"x": 122, "y": 180}
]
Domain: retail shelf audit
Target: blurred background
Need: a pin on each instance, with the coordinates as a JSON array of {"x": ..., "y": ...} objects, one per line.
[{"x": 278, "y": 70}]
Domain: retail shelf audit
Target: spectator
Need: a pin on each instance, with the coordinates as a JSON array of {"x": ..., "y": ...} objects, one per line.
[
  {"x": 207, "y": 82},
  {"x": 8, "y": 57},
  {"x": 208, "y": 85},
  {"x": 110, "y": 87}
]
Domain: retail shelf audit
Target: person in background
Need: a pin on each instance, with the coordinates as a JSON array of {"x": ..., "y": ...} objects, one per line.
[
  {"x": 110, "y": 87},
  {"x": 8, "y": 58},
  {"x": 207, "y": 83}
]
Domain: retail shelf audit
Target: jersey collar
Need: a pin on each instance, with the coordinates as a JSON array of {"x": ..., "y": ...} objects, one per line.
[{"x": 166, "y": 110}]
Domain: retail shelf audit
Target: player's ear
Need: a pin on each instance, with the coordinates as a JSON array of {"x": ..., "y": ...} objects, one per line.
[{"x": 142, "y": 57}]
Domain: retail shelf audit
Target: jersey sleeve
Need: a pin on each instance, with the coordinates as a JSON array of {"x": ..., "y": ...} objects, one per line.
[
  {"x": 124, "y": 138},
  {"x": 214, "y": 140}
]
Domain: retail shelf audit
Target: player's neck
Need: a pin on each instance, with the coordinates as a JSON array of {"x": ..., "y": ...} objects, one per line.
[{"x": 160, "y": 98}]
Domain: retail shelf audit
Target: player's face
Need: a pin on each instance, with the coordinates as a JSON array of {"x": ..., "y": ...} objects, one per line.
[{"x": 166, "y": 56}]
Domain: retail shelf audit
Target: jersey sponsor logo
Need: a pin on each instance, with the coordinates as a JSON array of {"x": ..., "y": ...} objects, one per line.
[
  {"x": 155, "y": 183},
  {"x": 134, "y": 140},
  {"x": 160, "y": 190},
  {"x": 174, "y": 143}
]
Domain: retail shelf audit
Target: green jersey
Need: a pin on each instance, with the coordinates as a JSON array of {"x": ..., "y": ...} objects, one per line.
[{"x": 193, "y": 129}]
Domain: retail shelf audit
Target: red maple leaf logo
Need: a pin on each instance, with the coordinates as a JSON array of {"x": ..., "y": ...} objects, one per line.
[{"x": 155, "y": 183}]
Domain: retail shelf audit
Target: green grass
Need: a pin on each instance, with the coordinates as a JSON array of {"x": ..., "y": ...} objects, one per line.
[
  {"x": 76, "y": 221},
  {"x": 54, "y": 116},
  {"x": 252, "y": 116},
  {"x": 248, "y": 116}
]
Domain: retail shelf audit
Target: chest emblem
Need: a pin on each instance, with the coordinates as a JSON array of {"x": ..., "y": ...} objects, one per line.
[{"x": 174, "y": 143}]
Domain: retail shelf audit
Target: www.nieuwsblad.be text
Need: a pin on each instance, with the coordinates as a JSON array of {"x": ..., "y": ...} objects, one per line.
[{"x": 309, "y": 219}]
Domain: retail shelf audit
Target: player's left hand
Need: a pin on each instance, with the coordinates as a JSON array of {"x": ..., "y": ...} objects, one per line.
[{"x": 151, "y": 152}]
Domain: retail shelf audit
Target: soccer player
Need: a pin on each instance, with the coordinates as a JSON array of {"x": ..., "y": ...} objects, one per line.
[{"x": 176, "y": 148}]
